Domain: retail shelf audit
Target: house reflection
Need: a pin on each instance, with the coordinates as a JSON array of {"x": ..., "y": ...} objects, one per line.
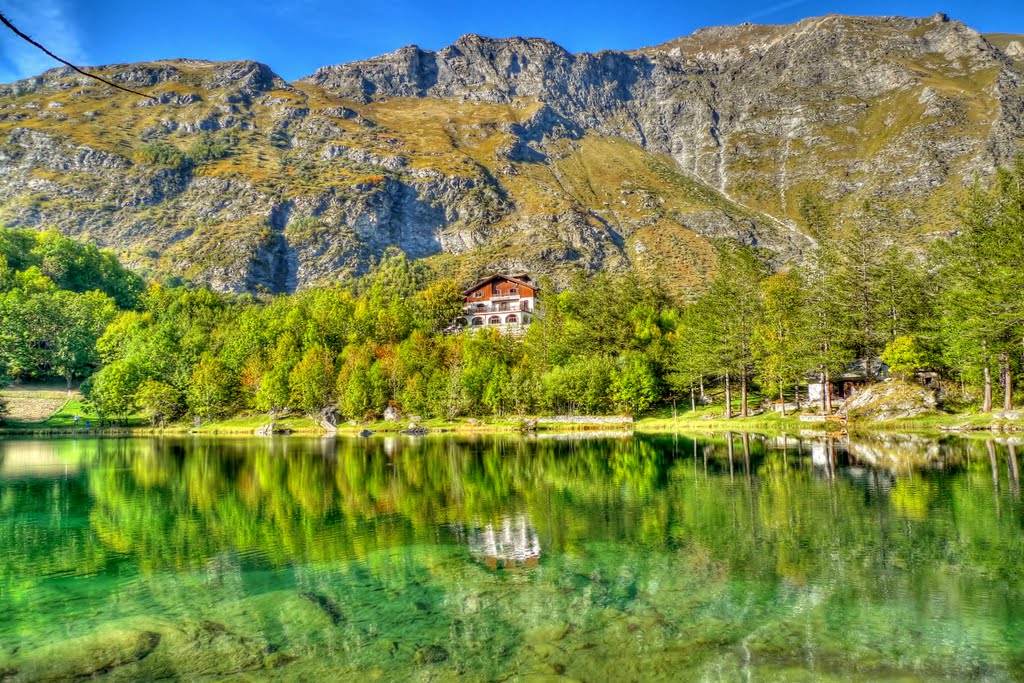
[{"x": 513, "y": 544}]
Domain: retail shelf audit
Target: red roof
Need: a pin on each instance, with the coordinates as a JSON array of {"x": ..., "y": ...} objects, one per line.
[{"x": 518, "y": 279}]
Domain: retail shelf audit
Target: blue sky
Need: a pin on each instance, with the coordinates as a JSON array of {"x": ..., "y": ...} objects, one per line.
[{"x": 295, "y": 37}]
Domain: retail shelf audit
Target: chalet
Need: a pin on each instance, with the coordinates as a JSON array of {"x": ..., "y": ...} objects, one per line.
[
  {"x": 505, "y": 302},
  {"x": 853, "y": 379}
]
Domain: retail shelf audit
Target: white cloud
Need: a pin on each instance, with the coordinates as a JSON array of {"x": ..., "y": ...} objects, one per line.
[{"x": 49, "y": 22}]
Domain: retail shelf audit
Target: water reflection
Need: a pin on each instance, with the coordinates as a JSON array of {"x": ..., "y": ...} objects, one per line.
[
  {"x": 512, "y": 544},
  {"x": 715, "y": 556}
]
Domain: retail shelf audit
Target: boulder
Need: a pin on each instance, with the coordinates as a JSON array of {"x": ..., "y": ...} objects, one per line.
[
  {"x": 271, "y": 428},
  {"x": 392, "y": 414},
  {"x": 892, "y": 399},
  {"x": 365, "y": 432}
]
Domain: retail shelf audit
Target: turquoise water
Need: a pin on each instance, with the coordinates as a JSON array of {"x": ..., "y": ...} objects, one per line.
[{"x": 507, "y": 558}]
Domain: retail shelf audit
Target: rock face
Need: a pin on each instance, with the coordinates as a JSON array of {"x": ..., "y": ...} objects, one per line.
[
  {"x": 516, "y": 153},
  {"x": 890, "y": 400}
]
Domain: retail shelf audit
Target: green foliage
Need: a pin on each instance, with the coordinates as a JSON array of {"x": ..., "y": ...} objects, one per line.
[
  {"x": 606, "y": 343},
  {"x": 71, "y": 265},
  {"x": 111, "y": 391},
  {"x": 313, "y": 381},
  {"x": 164, "y": 155},
  {"x": 781, "y": 341},
  {"x": 211, "y": 147},
  {"x": 903, "y": 356},
  {"x": 159, "y": 401},
  {"x": 635, "y": 384},
  {"x": 982, "y": 271},
  {"x": 211, "y": 388}
]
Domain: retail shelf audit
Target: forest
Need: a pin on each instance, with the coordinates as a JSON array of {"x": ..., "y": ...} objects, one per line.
[{"x": 606, "y": 343}]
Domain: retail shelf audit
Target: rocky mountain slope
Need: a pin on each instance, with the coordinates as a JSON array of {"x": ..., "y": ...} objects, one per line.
[{"x": 517, "y": 154}]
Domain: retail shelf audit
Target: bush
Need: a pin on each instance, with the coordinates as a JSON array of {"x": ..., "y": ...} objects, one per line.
[
  {"x": 164, "y": 155},
  {"x": 211, "y": 148}
]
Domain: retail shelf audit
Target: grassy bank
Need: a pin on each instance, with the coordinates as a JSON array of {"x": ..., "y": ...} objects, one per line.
[{"x": 28, "y": 402}]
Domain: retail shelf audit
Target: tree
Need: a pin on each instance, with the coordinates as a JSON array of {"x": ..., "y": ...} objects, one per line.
[
  {"x": 313, "y": 385},
  {"x": 210, "y": 388},
  {"x": 903, "y": 356},
  {"x": 82, "y": 320},
  {"x": 781, "y": 336},
  {"x": 159, "y": 401},
  {"x": 635, "y": 384},
  {"x": 112, "y": 390},
  {"x": 982, "y": 269},
  {"x": 826, "y": 321},
  {"x": 438, "y": 306},
  {"x": 732, "y": 307}
]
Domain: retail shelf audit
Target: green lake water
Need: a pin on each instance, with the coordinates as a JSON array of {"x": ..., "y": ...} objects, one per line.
[{"x": 597, "y": 558}]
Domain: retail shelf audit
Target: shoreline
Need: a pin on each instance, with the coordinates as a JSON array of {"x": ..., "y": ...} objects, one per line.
[{"x": 935, "y": 425}]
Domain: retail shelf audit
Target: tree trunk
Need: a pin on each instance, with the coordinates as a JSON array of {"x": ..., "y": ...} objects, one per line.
[
  {"x": 782, "y": 397},
  {"x": 1007, "y": 387},
  {"x": 693, "y": 400},
  {"x": 702, "y": 389},
  {"x": 675, "y": 416},
  {"x": 987, "y": 405},
  {"x": 823, "y": 391},
  {"x": 828, "y": 393},
  {"x": 728, "y": 398},
  {"x": 743, "y": 391},
  {"x": 796, "y": 393}
]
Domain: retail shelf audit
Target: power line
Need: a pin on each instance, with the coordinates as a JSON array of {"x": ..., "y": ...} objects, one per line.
[{"x": 8, "y": 24}]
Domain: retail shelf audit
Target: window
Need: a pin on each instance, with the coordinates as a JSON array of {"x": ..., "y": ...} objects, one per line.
[
  {"x": 512, "y": 319},
  {"x": 477, "y": 322},
  {"x": 503, "y": 306},
  {"x": 524, "y": 305},
  {"x": 494, "y": 320},
  {"x": 479, "y": 294}
]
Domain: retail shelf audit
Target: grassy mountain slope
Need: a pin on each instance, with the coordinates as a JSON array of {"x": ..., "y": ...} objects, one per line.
[{"x": 515, "y": 153}]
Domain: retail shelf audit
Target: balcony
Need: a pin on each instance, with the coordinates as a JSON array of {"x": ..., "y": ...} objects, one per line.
[
  {"x": 473, "y": 309},
  {"x": 504, "y": 328}
]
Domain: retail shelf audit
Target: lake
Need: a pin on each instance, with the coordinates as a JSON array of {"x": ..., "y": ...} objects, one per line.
[{"x": 577, "y": 557}]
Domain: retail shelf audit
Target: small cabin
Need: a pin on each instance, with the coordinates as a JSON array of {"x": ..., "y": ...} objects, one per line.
[
  {"x": 505, "y": 302},
  {"x": 852, "y": 380}
]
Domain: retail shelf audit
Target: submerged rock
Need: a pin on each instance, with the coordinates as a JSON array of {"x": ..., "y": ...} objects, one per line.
[
  {"x": 431, "y": 654},
  {"x": 328, "y": 606},
  {"x": 87, "y": 656}
]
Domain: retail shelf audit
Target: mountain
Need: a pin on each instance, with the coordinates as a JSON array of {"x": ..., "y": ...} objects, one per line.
[{"x": 517, "y": 154}]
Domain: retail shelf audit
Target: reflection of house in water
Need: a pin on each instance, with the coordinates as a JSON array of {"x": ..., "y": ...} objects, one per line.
[{"x": 512, "y": 545}]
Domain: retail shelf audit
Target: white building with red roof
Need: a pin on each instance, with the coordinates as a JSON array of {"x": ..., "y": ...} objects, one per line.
[{"x": 505, "y": 302}]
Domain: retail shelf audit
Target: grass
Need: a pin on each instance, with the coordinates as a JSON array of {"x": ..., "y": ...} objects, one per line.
[{"x": 63, "y": 420}]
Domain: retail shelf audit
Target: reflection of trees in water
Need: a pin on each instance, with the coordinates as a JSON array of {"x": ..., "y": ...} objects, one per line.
[{"x": 181, "y": 502}]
